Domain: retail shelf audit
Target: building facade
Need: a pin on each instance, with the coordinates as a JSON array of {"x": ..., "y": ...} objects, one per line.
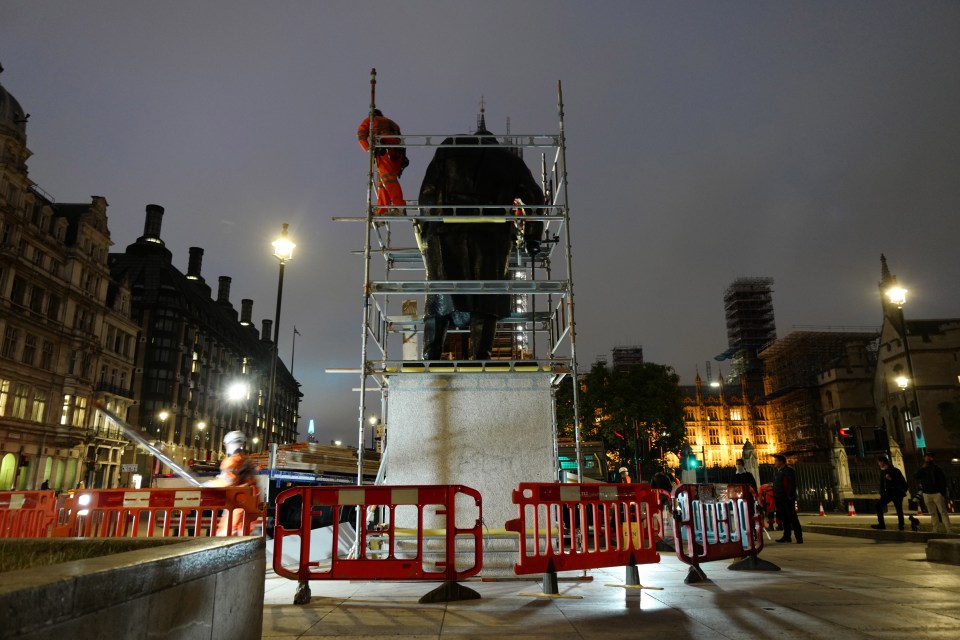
[
  {"x": 83, "y": 329},
  {"x": 719, "y": 423},
  {"x": 67, "y": 338}
]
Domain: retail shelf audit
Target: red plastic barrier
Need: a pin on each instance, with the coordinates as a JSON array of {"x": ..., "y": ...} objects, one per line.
[
  {"x": 716, "y": 522},
  {"x": 26, "y": 514},
  {"x": 163, "y": 513},
  {"x": 567, "y": 527},
  {"x": 376, "y": 554}
]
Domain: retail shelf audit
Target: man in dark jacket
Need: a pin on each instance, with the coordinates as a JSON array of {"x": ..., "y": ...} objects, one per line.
[
  {"x": 933, "y": 484},
  {"x": 893, "y": 487},
  {"x": 785, "y": 496},
  {"x": 742, "y": 476}
]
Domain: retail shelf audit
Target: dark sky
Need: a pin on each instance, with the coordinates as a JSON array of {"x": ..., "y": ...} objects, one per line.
[{"x": 706, "y": 141}]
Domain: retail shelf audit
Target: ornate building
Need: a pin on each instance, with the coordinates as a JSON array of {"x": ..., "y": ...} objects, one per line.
[
  {"x": 82, "y": 328},
  {"x": 67, "y": 338},
  {"x": 718, "y": 424}
]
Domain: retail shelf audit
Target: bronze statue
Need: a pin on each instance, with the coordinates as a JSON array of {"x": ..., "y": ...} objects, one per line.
[{"x": 473, "y": 171}]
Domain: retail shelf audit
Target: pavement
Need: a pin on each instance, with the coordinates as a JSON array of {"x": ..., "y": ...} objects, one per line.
[{"x": 848, "y": 584}]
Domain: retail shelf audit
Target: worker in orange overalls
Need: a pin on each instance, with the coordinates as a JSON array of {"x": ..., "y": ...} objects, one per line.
[
  {"x": 390, "y": 162},
  {"x": 769, "y": 506},
  {"x": 236, "y": 470}
]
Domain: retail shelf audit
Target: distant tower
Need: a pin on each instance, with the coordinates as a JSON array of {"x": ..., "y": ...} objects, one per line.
[
  {"x": 748, "y": 304},
  {"x": 626, "y": 357},
  {"x": 311, "y": 437}
]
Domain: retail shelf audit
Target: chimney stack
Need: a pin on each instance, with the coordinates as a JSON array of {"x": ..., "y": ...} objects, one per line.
[
  {"x": 196, "y": 260},
  {"x": 265, "y": 334},
  {"x": 246, "y": 312},
  {"x": 153, "y": 223},
  {"x": 223, "y": 292}
]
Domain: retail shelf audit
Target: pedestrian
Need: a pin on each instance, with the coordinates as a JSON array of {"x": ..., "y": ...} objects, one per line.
[
  {"x": 624, "y": 475},
  {"x": 933, "y": 485},
  {"x": 661, "y": 480},
  {"x": 742, "y": 476},
  {"x": 769, "y": 507},
  {"x": 45, "y": 485},
  {"x": 391, "y": 162},
  {"x": 785, "y": 497},
  {"x": 893, "y": 488},
  {"x": 236, "y": 470}
]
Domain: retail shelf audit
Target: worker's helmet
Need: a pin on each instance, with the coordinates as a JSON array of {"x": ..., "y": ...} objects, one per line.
[{"x": 235, "y": 440}]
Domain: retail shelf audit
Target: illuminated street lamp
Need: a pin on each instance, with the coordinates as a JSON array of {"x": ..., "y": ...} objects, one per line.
[
  {"x": 898, "y": 295},
  {"x": 283, "y": 251}
]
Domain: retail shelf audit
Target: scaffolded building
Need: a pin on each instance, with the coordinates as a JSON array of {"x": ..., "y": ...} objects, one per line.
[{"x": 748, "y": 304}]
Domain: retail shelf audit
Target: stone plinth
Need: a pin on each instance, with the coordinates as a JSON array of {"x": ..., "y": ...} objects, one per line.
[{"x": 488, "y": 431}]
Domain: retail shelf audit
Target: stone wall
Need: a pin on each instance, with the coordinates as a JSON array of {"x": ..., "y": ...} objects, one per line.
[{"x": 199, "y": 588}]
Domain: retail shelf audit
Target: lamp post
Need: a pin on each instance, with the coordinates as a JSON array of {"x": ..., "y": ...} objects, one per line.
[
  {"x": 283, "y": 251},
  {"x": 898, "y": 295}
]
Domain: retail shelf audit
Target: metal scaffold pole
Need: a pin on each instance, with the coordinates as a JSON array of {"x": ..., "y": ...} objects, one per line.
[{"x": 572, "y": 323}]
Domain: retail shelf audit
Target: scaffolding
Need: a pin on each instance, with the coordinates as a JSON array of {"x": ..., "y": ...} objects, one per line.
[{"x": 539, "y": 333}]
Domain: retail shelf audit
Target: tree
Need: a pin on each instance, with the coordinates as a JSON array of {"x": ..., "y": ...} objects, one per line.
[{"x": 637, "y": 412}]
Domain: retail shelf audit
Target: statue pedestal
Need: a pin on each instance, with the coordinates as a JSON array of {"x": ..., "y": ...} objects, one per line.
[{"x": 488, "y": 431}]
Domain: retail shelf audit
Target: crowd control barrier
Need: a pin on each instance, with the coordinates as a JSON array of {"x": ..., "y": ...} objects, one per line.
[
  {"x": 566, "y": 527},
  {"x": 382, "y": 550},
  {"x": 201, "y": 512},
  {"x": 26, "y": 514},
  {"x": 718, "y": 522}
]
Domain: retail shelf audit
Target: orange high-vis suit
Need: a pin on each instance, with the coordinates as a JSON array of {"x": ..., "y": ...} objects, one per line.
[
  {"x": 390, "y": 162},
  {"x": 237, "y": 470}
]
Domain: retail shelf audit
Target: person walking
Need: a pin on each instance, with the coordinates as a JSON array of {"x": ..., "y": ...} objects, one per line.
[
  {"x": 893, "y": 487},
  {"x": 742, "y": 476},
  {"x": 933, "y": 485},
  {"x": 625, "y": 475},
  {"x": 785, "y": 497},
  {"x": 390, "y": 162}
]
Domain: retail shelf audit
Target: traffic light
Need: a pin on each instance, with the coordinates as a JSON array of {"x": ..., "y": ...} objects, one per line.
[
  {"x": 844, "y": 432},
  {"x": 691, "y": 462}
]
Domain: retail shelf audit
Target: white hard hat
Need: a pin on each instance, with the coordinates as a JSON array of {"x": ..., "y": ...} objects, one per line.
[
  {"x": 235, "y": 437},
  {"x": 623, "y": 470}
]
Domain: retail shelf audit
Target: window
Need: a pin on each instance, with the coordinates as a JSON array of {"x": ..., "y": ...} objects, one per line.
[
  {"x": 714, "y": 436},
  {"x": 29, "y": 349},
  {"x": 736, "y": 414},
  {"x": 4, "y": 395},
  {"x": 712, "y": 415},
  {"x": 19, "y": 290},
  {"x": 20, "y": 394},
  {"x": 10, "y": 338},
  {"x": 79, "y": 411},
  {"x": 737, "y": 434},
  {"x": 36, "y": 300},
  {"x": 53, "y": 308},
  {"x": 46, "y": 356},
  {"x": 65, "y": 410},
  {"x": 761, "y": 435},
  {"x": 39, "y": 409},
  {"x": 38, "y": 257}
]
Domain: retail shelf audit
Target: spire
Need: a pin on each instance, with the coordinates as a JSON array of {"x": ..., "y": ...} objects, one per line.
[
  {"x": 885, "y": 276},
  {"x": 481, "y": 119}
]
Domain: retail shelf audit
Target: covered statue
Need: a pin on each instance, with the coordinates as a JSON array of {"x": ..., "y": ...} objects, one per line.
[{"x": 468, "y": 172}]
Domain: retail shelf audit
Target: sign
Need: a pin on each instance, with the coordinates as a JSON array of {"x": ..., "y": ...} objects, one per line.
[
  {"x": 919, "y": 440},
  {"x": 128, "y": 468}
]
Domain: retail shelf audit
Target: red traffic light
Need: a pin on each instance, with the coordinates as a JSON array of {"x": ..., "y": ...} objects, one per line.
[{"x": 844, "y": 432}]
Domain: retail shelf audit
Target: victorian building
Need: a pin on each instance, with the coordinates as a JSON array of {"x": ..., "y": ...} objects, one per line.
[
  {"x": 720, "y": 418},
  {"x": 83, "y": 329},
  {"x": 67, "y": 338}
]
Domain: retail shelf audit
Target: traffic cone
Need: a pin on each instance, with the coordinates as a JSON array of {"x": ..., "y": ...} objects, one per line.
[
  {"x": 851, "y": 510},
  {"x": 821, "y": 510}
]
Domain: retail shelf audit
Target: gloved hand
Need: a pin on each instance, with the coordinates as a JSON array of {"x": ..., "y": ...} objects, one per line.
[{"x": 532, "y": 247}]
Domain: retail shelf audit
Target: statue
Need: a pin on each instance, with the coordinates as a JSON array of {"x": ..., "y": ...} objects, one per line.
[{"x": 471, "y": 171}]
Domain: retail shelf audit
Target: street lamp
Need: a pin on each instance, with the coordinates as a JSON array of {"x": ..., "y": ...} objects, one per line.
[
  {"x": 898, "y": 295},
  {"x": 283, "y": 251}
]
